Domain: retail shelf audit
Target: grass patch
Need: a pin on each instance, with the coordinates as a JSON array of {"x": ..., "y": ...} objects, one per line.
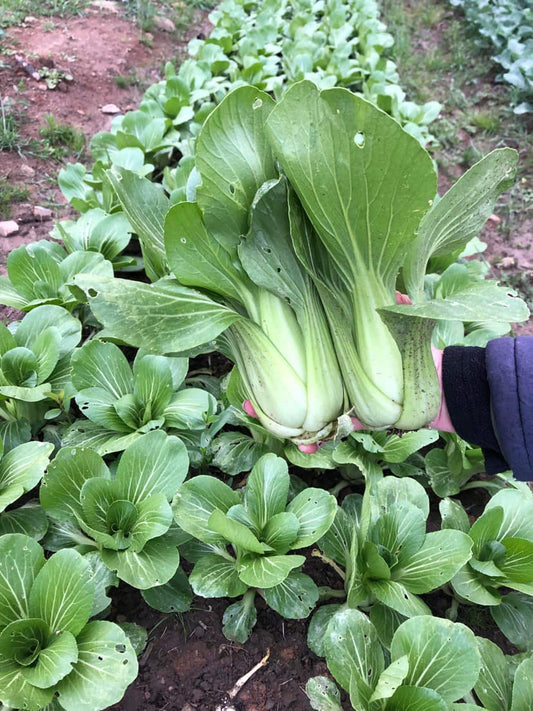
[
  {"x": 125, "y": 81},
  {"x": 61, "y": 138},
  {"x": 10, "y": 194},
  {"x": 13, "y": 12}
]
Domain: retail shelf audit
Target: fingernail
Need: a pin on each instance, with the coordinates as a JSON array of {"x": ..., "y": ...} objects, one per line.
[{"x": 249, "y": 409}]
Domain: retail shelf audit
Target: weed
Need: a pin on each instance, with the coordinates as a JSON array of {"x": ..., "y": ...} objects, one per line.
[
  {"x": 9, "y": 134},
  {"x": 470, "y": 155},
  {"x": 13, "y": 12},
  {"x": 124, "y": 81},
  {"x": 486, "y": 120},
  {"x": 10, "y": 194},
  {"x": 62, "y": 138}
]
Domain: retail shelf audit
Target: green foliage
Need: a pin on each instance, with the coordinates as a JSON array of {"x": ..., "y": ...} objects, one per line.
[
  {"x": 502, "y": 550},
  {"x": 321, "y": 244},
  {"x": 35, "y": 371},
  {"x": 48, "y": 647},
  {"x": 508, "y": 25},
  {"x": 433, "y": 662},
  {"x": 61, "y": 138},
  {"x": 126, "y": 519},
  {"x": 380, "y": 541},
  {"x": 247, "y": 540},
  {"x": 10, "y": 194},
  {"x": 123, "y": 402},
  {"x": 39, "y": 273}
]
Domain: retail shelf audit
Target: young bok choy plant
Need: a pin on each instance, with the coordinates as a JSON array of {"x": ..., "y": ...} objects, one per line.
[{"x": 51, "y": 656}]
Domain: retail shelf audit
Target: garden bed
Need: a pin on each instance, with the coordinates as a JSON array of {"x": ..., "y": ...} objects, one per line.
[{"x": 187, "y": 663}]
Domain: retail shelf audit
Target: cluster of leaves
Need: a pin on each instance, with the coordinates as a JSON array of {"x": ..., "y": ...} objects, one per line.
[
  {"x": 508, "y": 25},
  {"x": 429, "y": 664}
]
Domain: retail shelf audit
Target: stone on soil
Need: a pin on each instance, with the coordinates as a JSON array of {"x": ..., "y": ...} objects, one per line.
[
  {"x": 110, "y": 109},
  {"x": 8, "y": 227}
]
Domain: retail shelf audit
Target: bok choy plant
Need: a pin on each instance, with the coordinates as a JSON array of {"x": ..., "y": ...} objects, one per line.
[
  {"x": 433, "y": 663},
  {"x": 51, "y": 656},
  {"x": 125, "y": 519},
  {"x": 123, "y": 402},
  {"x": 244, "y": 541},
  {"x": 386, "y": 557},
  {"x": 368, "y": 190},
  {"x": 234, "y": 246},
  {"x": 502, "y": 559},
  {"x": 35, "y": 380},
  {"x": 354, "y": 212}
]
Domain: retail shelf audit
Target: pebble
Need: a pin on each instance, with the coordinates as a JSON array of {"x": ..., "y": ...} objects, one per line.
[
  {"x": 495, "y": 219},
  {"x": 8, "y": 227},
  {"x": 110, "y": 109},
  {"x": 26, "y": 171},
  {"x": 164, "y": 23},
  {"x": 104, "y": 5},
  {"x": 42, "y": 213},
  {"x": 508, "y": 262}
]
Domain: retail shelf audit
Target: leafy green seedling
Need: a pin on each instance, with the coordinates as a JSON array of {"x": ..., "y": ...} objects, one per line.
[
  {"x": 502, "y": 557},
  {"x": 122, "y": 403},
  {"x": 126, "y": 519},
  {"x": 35, "y": 370},
  {"x": 433, "y": 663},
  {"x": 380, "y": 541},
  {"x": 38, "y": 273},
  {"x": 49, "y": 651},
  {"x": 246, "y": 539},
  {"x": 21, "y": 469},
  {"x": 98, "y": 231}
]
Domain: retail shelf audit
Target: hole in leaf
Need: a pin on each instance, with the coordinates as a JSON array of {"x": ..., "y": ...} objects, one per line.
[
  {"x": 359, "y": 139},
  {"x": 232, "y": 189},
  {"x": 92, "y": 292},
  {"x": 120, "y": 648},
  {"x": 257, "y": 104}
]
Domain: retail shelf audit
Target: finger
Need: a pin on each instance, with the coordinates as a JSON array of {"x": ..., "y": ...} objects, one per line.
[
  {"x": 308, "y": 448},
  {"x": 249, "y": 409},
  {"x": 357, "y": 424},
  {"x": 402, "y": 298}
]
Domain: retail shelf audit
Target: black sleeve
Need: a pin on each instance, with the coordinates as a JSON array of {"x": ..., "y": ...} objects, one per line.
[
  {"x": 489, "y": 395},
  {"x": 467, "y": 394}
]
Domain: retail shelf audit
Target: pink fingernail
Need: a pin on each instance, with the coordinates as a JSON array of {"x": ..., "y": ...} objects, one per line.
[
  {"x": 402, "y": 298},
  {"x": 308, "y": 448},
  {"x": 249, "y": 409}
]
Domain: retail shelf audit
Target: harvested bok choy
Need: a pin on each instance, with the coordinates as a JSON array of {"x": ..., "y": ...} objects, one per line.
[
  {"x": 368, "y": 189},
  {"x": 295, "y": 272}
]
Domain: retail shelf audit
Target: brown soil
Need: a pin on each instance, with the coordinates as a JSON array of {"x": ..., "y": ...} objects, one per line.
[{"x": 93, "y": 49}]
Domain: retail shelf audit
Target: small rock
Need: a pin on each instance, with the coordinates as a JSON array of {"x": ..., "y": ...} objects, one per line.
[
  {"x": 110, "y": 109},
  {"x": 495, "y": 219},
  {"x": 8, "y": 227},
  {"x": 29, "y": 19},
  {"x": 508, "y": 262},
  {"x": 106, "y": 5},
  {"x": 26, "y": 171},
  {"x": 164, "y": 23},
  {"x": 42, "y": 213}
]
